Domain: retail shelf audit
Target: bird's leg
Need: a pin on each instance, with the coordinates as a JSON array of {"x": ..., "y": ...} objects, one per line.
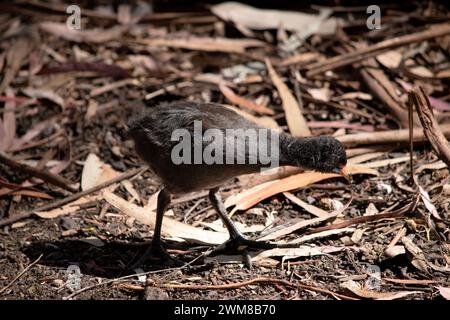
[
  {"x": 157, "y": 250},
  {"x": 237, "y": 241}
]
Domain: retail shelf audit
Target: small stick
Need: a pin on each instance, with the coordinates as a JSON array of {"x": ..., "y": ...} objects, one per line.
[
  {"x": 388, "y": 136},
  {"x": 430, "y": 126},
  {"x": 41, "y": 174},
  {"x": 375, "y": 49},
  {"x": 411, "y": 134},
  {"x": 71, "y": 198},
  {"x": 267, "y": 280},
  {"x": 20, "y": 274},
  {"x": 363, "y": 219}
]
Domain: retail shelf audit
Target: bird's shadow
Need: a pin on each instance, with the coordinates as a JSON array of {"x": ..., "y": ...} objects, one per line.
[{"x": 111, "y": 260}]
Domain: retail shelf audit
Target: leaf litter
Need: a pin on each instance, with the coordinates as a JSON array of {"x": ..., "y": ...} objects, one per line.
[{"x": 65, "y": 97}]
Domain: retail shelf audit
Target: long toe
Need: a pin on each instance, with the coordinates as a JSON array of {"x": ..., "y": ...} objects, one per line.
[{"x": 157, "y": 254}]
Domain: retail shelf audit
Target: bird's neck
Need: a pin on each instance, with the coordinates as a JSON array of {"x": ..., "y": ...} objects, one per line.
[{"x": 298, "y": 152}]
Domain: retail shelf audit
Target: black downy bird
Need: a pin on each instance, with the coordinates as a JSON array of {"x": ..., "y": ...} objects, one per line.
[{"x": 155, "y": 141}]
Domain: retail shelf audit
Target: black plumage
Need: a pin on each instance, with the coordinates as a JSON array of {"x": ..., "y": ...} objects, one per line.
[{"x": 153, "y": 137}]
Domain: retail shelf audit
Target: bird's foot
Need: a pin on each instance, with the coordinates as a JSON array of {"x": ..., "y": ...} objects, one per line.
[
  {"x": 243, "y": 246},
  {"x": 157, "y": 254}
]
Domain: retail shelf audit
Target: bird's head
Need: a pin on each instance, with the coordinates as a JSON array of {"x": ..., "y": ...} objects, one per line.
[{"x": 324, "y": 154}]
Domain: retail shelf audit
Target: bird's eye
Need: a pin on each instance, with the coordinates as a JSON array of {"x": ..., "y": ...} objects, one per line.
[{"x": 337, "y": 170}]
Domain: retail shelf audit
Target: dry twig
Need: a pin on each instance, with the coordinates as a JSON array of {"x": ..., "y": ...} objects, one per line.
[
  {"x": 20, "y": 274},
  {"x": 41, "y": 174},
  {"x": 71, "y": 198},
  {"x": 373, "y": 50},
  {"x": 431, "y": 129}
]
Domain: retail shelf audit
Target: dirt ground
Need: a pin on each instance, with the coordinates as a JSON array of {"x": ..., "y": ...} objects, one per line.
[{"x": 74, "y": 97}]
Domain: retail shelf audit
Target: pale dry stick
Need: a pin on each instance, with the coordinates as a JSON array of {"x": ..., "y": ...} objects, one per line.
[
  {"x": 263, "y": 280},
  {"x": 373, "y": 50},
  {"x": 388, "y": 136},
  {"x": 113, "y": 86},
  {"x": 41, "y": 174},
  {"x": 71, "y": 198},
  {"x": 430, "y": 125},
  {"x": 169, "y": 88},
  {"x": 400, "y": 234},
  {"x": 20, "y": 274}
]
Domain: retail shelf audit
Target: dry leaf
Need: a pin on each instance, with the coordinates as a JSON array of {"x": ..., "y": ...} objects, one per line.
[
  {"x": 170, "y": 227},
  {"x": 45, "y": 94},
  {"x": 354, "y": 287},
  {"x": 248, "y": 198},
  {"x": 390, "y": 59},
  {"x": 91, "y": 171},
  {"x": 16, "y": 54},
  {"x": 294, "y": 117},
  {"x": 418, "y": 259},
  {"x": 428, "y": 204},
  {"x": 445, "y": 292},
  {"x": 261, "y": 19},
  {"x": 96, "y": 172},
  {"x": 395, "y": 251}
]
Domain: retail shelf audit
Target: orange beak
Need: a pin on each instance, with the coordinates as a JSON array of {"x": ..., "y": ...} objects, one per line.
[{"x": 346, "y": 174}]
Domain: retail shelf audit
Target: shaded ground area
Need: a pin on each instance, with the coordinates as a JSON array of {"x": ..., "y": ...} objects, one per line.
[{"x": 66, "y": 99}]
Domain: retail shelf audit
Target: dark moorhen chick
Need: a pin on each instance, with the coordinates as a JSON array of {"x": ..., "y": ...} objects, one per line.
[{"x": 162, "y": 129}]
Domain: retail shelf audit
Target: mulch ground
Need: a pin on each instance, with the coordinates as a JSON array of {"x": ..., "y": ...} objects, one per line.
[{"x": 74, "y": 97}]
